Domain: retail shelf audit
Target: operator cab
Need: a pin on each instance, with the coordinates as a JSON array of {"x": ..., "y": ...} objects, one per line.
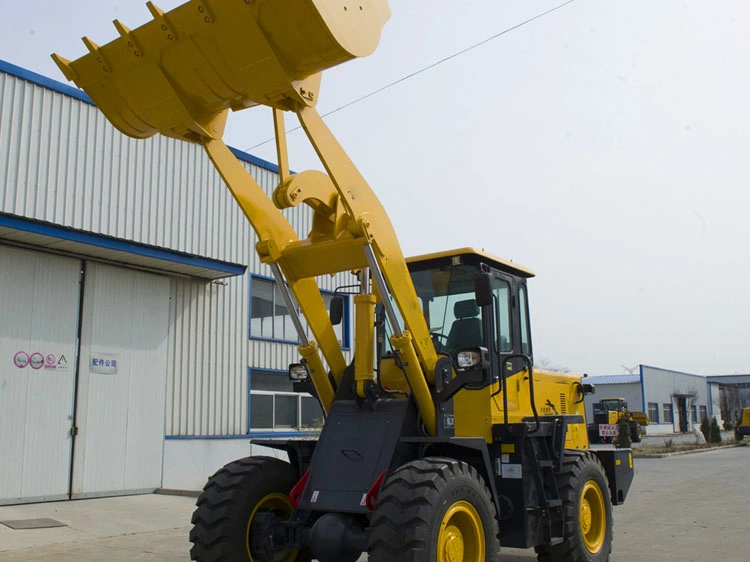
[{"x": 492, "y": 321}]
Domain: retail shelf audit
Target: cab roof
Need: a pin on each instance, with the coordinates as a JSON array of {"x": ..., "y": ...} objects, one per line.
[{"x": 474, "y": 256}]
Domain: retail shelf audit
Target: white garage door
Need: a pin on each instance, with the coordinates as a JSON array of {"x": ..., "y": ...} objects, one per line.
[
  {"x": 39, "y": 296},
  {"x": 115, "y": 406},
  {"x": 121, "y": 387}
]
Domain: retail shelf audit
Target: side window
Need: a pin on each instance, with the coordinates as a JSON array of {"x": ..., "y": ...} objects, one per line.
[
  {"x": 653, "y": 412},
  {"x": 667, "y": 408},
  {"x": 275, "y": 406},
  {"x": 270, "y": 318},
  {"x": 501, "y": 290},
  {"x": 524, "y": 310}
]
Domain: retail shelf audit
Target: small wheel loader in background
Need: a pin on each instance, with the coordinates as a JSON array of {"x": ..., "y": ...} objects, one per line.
[
  {"x": 441, "y": 441},
  {"x": 743, "y": 427},
  {"x": 607, "y": 414}
]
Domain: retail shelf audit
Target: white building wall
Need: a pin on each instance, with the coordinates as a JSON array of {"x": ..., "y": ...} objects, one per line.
[
  {"x": 208, "y": 358},
  {"x": 714, "y": 409},
  {"x": 662, "y": 386}
]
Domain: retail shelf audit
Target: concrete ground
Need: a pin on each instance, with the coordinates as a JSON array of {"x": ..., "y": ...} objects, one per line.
[{"x": 689, "y": 508}]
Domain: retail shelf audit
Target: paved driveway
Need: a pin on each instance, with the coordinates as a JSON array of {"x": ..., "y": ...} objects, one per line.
[{"x": 691, "y": 508}]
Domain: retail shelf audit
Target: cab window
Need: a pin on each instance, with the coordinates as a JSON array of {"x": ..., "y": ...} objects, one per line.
[{"x": 501, "y": 291}]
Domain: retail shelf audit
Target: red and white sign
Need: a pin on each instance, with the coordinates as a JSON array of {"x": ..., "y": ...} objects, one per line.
[
  {"x": 607, "y": 430},
  {"x": 36, "y": 360},
  {"x": 21, "y": 359}
]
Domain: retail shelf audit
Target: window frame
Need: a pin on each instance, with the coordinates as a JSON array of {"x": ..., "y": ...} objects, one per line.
[
  {"x": 500, "y": 282},
  {"x": 655, "y": 405},
  {"x": 668, "y": 407},
  {"x": 524, "y": 320},
  {"x": 299, "y": 395},
  {"x": 345, "y": 323}
]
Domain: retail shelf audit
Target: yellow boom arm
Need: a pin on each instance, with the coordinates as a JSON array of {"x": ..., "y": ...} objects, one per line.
[{"x": 180, "y": 74}]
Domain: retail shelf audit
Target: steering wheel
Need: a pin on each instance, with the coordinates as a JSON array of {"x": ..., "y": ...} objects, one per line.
[{"x": 440, "y": 341}]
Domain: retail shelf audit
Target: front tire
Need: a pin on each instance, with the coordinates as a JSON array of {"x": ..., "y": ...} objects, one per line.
[
  {"x": 587, "y": 509},
  {"x": 434, "y": 510},
  {"x": 636, "y": 433},
  {"x": 231, "y": 499}
]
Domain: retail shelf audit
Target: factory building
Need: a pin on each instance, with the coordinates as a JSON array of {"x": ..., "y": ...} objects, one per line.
[
  {"x": 143, "y": 343},
  {"x": 675, "y": 402}
]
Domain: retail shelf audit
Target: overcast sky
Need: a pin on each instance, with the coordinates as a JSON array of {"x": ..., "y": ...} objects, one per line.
[{"x": 605, "y": 146}]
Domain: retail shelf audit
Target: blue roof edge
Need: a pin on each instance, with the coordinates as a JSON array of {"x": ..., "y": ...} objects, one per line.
[
  {"x": 65, "y": 89},
  {"x": 118, "y": 244}
]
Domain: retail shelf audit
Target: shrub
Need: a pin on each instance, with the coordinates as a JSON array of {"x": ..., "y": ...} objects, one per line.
[
  {"x": 622, "y": 441},
  {"x": 706, "y": 429},
  {"x": 715, "y": 432},
  {"x": 668, "y": 443}
]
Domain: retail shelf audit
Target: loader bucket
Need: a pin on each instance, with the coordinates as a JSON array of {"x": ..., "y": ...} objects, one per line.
[{"x": 182, "y": 71}]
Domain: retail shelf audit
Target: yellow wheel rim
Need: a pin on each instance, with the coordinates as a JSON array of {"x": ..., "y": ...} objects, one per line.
[
  {"x": 593, "y": 517},
  {"x": 461, "y": 535},
  {"x": 280, "y": 506}
]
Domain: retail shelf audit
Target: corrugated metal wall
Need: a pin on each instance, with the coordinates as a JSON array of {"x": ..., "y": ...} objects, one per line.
[{"x": 62, "y": 162}]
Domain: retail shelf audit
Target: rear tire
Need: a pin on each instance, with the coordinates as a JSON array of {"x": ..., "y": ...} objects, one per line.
[
  {"x": 636, "y": 433},
  {"x": 229, "y": 502},
  {"x": 434, "y": 510},
  {"x": 587, "y": 509}
]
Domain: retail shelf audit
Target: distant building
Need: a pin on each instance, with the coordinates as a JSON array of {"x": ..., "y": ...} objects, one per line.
[
  {"x": 674, "y": 401},
  {"x": 729, "y": 395}
]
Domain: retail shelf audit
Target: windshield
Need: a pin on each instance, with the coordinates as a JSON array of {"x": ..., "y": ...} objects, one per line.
[
  {"x": 613, "y": 404},
  {"x": 449, "y": 306}
]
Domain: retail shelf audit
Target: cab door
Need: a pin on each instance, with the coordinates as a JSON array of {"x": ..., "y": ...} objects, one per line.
[{"x": 509, "y": 327}]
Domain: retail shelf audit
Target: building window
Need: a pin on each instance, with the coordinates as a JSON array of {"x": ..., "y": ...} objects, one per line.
[
  {"x": 653, "y": 412},
  {"x": 704, "y": 412},
  {"x": 270, "y": 318},
  {"x": 668, "y": 418},
  {"x": 275, "y": 406},
  {"x": 694, "y": 413}
]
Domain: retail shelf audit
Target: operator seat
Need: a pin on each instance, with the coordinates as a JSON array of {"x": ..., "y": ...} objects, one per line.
[{"x": 466, "y": 330}]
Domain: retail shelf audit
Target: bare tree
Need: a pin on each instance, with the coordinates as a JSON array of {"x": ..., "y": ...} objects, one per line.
[{"x": 546, "y": 364}]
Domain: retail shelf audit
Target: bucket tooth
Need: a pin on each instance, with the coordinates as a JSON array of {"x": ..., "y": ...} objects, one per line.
[
  {"x": 156, "y": 12},
  {"x": 64, "y": 65},
  {"x": 127, "y": 36},
  {"x": 96, "y": 51},
  {"x": 161, "y": 18},
  {"x": 90, "y": 45},
  {"x": 122, "y": 29}
]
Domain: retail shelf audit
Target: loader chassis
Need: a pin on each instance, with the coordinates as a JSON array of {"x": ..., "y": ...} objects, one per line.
[{"x": 441, "y": 441}]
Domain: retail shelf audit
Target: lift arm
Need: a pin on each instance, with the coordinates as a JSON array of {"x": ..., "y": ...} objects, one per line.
[{"x": 180, "y": 74}]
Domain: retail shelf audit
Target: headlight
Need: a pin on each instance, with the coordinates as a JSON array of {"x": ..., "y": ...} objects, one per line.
[
  {"x": 469, "y": 358},
  {"x": 298, "y": 372}
]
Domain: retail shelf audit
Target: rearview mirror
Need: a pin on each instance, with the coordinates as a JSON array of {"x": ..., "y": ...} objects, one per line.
[
  {"x": 483, "y": 289},
  {"x": 336, "y": 313}
]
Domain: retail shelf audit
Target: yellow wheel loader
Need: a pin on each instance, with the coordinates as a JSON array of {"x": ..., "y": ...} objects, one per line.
[
  {"x": 607, "y": 414},
  {"x": 441, "y": 441},
  {"x": 743, "y": 427}
]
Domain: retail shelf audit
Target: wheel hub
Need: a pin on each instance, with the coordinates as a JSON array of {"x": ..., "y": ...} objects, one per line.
[
  {"x": 592, "y": 517},
  {"x": 461, "y": 535},
  {"x": 454, "y": 545},
  {"x": 585, "y": 516}
]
